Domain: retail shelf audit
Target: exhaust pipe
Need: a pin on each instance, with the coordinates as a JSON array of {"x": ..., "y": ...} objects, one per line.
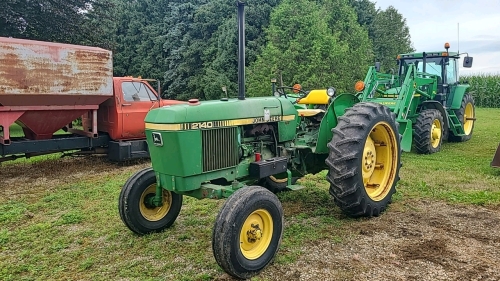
[{"x": 241, "y": 50}]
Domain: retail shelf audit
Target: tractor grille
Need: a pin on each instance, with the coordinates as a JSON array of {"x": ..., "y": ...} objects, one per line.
[{"x": 220, "y": 148}]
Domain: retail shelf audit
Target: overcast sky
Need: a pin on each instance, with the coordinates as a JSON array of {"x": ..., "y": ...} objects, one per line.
[{"x": 434, "y": 22}]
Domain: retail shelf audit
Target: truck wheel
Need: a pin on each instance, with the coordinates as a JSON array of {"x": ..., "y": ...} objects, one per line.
[
  {"x": 135, "y": 211},
  {"x": 248, "y": 231},
  {"x": 277, "y": 183},
  {"x": 466, "y": 114},
  {"x": 364, "y": 159},
  {"x": 428, "y": 135}
]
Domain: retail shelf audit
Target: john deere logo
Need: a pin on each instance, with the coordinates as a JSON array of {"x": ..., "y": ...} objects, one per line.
[{"x": 157, "y": 140}]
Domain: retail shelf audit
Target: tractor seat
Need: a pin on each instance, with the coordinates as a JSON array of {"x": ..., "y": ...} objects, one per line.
[{"x": 309, "y": 112}]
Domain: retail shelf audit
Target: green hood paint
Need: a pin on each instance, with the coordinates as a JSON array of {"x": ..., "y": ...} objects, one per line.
[
  {"x": 220, "y": 110},
  {"x": 187, "y": 144}
]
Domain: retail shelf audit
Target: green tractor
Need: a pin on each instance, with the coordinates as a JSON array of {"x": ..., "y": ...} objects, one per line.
[
  {"x": 247, "y": 149},
  {"x": 430, "y": 103}
]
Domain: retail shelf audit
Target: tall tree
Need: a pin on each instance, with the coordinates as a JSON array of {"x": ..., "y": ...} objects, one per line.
[
  {"x": 387, "y": 30},
  {"x": 204, "y": 58},
  {"x": 181, "y": 60},
  {"x": 315, "y": 43},
  {"x": 366, "y": 12},
  {"x": 50, "y": 20},
  {"x": 391, "y": 36}
]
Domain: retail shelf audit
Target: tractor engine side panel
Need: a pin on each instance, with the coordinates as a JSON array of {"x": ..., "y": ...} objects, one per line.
[{"x": 176, "y": 153}]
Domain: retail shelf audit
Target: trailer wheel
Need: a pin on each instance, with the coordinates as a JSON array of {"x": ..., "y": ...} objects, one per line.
[
  {"x": 428, "y": 135},
  {"x": 466, "y": 114},
  {"x": 248, "y": 231},
  {"x": 135, "y": 211},
  {"x": 364, "y": 159}
]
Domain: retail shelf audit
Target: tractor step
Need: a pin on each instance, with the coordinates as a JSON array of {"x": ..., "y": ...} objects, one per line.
[
  {"x": 455, "y": 124},
  {"x": 295, "y": 187}
]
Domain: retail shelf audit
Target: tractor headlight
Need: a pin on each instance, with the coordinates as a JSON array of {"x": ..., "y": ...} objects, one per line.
[{"x": 330, "y": 91}]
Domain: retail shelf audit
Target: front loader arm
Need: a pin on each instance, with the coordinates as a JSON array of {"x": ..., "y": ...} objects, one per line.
[{"x": 406, "y": 94}]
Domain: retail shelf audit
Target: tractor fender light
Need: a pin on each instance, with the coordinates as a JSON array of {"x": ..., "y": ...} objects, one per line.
[{"x": 359, "y": 86}]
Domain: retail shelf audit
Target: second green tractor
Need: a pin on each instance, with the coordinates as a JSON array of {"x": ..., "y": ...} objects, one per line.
[{"x": 430, "y": 103}]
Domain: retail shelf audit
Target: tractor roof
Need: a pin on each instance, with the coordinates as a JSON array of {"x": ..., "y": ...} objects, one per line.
[{"x": 429, "y": 54}]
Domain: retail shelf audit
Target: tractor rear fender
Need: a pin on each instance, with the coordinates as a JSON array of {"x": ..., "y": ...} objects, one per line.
[
  {"x": 431, "y": 104},
  {"x": 458, "y": 94},
  {"x": 336, "y": 109}
]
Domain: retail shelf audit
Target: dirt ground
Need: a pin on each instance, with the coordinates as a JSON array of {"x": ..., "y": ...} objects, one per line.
[
  {"x": 425, "y": 241},
  {"x": 419, "y": 240}
]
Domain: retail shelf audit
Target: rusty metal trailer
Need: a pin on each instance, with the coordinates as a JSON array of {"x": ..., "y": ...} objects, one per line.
[{"x": 45, "y": 86}]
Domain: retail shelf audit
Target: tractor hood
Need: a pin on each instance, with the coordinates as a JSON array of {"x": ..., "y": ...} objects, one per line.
[{"x": 223, "y": 110}]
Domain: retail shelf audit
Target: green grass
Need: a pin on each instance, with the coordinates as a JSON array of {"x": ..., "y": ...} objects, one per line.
[
  {"x": 461, "y": 172},
  {"x": 16, "y": 131},
  {"x": 72, "y": 231}
]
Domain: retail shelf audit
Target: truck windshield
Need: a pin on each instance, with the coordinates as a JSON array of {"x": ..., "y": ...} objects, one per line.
[{"x": 137, "y": 91}]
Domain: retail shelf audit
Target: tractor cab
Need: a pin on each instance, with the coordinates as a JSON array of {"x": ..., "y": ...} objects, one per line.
[{"x": 441, "y": 65}]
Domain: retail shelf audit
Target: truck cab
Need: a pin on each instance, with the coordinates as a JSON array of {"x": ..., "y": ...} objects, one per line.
[{"x": 122, "y": 116}]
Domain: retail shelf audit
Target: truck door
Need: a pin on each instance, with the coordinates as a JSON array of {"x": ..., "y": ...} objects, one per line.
[{"x": 138, "y": 99}]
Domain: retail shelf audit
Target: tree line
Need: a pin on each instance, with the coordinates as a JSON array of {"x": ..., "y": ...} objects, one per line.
[{"x": 191, "y": 46}]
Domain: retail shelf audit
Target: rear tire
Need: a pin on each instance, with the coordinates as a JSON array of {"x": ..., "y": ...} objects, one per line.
[
  {"x": 137, "y": 214},
  {"x": 429, "y": 132},
  {"x": 364, "y": 159},
  {"x": 467, "y": 110},
  {"x": 248, "y": 231}
]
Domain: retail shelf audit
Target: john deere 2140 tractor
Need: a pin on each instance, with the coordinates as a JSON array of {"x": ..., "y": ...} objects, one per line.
[
  {"x": 427, "y": 98},
  {"x": 246, "y": 149}
]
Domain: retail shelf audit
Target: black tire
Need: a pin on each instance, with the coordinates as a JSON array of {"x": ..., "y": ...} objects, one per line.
[
  {"x": 135, "y": 212},
  {"x": 366, "y": 136},
  {"x": 467, "y": 105},
  {"x": 277, "y": 183},
  {"x": 428, "y": 131},
  {"x": 246, "y": 259}
]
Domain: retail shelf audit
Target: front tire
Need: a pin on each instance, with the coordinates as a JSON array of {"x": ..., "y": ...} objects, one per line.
[
  {"x": 428, "y": 135},
  {"x": 364, "y": 159},
  {"x": 135, "y": 211},
  {"x": 466, "y": 114},
  {"x": 248, "y": 231}
]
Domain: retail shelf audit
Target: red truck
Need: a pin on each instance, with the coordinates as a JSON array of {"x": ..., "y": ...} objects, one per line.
[{"x": 46, "y": 86}]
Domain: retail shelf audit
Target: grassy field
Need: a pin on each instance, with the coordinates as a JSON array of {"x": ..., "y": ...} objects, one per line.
[{"x": 59, "y": 218}]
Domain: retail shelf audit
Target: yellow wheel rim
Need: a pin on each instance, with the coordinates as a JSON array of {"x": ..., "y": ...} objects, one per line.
[
  {"x": 152, "y": 213},
  {"x": 468, "y": 118},
  {"x": 436, "y": 132},
  {"x": 379, "y": 161},
  {"x": 256, "y": 234}
]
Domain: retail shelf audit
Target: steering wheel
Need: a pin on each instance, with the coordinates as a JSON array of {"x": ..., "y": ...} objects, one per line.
[{"x": 296, "y": 89}]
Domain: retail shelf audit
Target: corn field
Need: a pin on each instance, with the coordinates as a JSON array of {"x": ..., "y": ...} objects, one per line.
[{"x": 485, "y": 88}]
